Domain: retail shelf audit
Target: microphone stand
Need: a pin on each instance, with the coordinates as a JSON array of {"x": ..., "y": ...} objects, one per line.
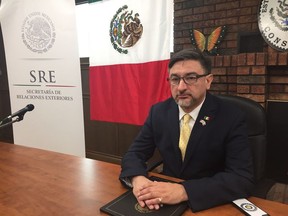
[{"x": 19, "y": 118}]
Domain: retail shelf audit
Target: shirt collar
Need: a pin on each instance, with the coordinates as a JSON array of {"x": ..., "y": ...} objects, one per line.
[{"x": 194, "y": 113}]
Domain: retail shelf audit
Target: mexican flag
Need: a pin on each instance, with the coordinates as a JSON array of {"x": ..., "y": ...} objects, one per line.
[{"x": 129, "y": 53}]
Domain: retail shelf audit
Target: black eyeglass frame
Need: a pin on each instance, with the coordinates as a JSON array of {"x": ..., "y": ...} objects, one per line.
[{"x": 195, "y": 76}]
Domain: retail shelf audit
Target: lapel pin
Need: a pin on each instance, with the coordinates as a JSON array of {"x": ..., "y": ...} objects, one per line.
[{"x": 203, "y": 121}]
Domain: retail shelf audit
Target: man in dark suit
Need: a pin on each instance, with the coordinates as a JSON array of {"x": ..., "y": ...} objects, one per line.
[{"x": 216, "y": 164}]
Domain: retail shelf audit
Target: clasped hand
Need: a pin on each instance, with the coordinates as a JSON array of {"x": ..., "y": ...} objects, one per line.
[{"x": 154, "y": 194}]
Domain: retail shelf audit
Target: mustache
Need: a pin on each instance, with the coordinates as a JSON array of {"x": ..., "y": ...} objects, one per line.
[{"x": 183, "y": 94}]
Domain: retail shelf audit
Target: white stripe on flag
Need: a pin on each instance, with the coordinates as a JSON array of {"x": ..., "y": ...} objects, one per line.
[{"x": 156, "y": 18}]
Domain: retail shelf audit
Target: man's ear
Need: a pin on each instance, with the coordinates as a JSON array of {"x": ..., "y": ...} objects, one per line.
[{"x": 209, "y": 80}]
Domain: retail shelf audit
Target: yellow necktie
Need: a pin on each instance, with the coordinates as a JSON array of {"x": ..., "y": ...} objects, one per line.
[{"x": 184, "y": 134}]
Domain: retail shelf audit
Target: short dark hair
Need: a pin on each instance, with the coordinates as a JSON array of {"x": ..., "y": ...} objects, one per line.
[{"x": 192, "y": 54}]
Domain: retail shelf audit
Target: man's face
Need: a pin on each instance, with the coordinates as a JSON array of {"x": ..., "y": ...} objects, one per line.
[{"x": 189, "y": 96}]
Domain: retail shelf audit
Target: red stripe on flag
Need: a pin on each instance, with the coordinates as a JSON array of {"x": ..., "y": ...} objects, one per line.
[{"x": 124, "y": 93}]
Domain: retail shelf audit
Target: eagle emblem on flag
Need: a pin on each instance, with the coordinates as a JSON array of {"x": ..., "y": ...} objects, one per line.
[{"x": 125, "y": 29}]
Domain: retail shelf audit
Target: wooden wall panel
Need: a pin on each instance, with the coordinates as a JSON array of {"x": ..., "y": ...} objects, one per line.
[{"x": 6, "y": 134}]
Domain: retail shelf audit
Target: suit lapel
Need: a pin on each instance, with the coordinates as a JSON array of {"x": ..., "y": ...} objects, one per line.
[
  {"x": 206, "y": 114},
  {"x": 174, "y": 131}
]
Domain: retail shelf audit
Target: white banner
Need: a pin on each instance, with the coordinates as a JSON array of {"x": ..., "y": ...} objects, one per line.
[{"x": 43, "y": 67}]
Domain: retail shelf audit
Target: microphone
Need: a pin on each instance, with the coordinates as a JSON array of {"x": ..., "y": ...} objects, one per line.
[{"x": 21, "y": 112}]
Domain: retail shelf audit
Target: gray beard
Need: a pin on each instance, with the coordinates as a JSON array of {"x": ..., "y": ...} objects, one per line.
[{"x": 184, "y": 104}]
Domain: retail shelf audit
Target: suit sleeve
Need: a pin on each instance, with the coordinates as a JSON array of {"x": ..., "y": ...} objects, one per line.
[{"x": 134, "y": 161}]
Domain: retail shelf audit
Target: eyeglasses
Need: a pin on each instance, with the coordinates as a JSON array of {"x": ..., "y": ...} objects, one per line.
[{"x": 188, "y": 79}]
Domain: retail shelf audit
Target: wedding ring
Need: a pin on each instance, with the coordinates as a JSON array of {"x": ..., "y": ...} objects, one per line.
[{"x": 160, "y": 201}]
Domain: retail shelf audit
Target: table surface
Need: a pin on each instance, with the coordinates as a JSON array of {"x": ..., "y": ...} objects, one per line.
[{"x": 36, "y": 182}]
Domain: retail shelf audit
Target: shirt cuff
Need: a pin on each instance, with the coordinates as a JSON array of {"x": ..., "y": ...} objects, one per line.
[{"x": 127, "y": 182}]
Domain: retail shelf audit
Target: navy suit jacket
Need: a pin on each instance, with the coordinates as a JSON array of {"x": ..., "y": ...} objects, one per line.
[{"x": 217, "y": 168}]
